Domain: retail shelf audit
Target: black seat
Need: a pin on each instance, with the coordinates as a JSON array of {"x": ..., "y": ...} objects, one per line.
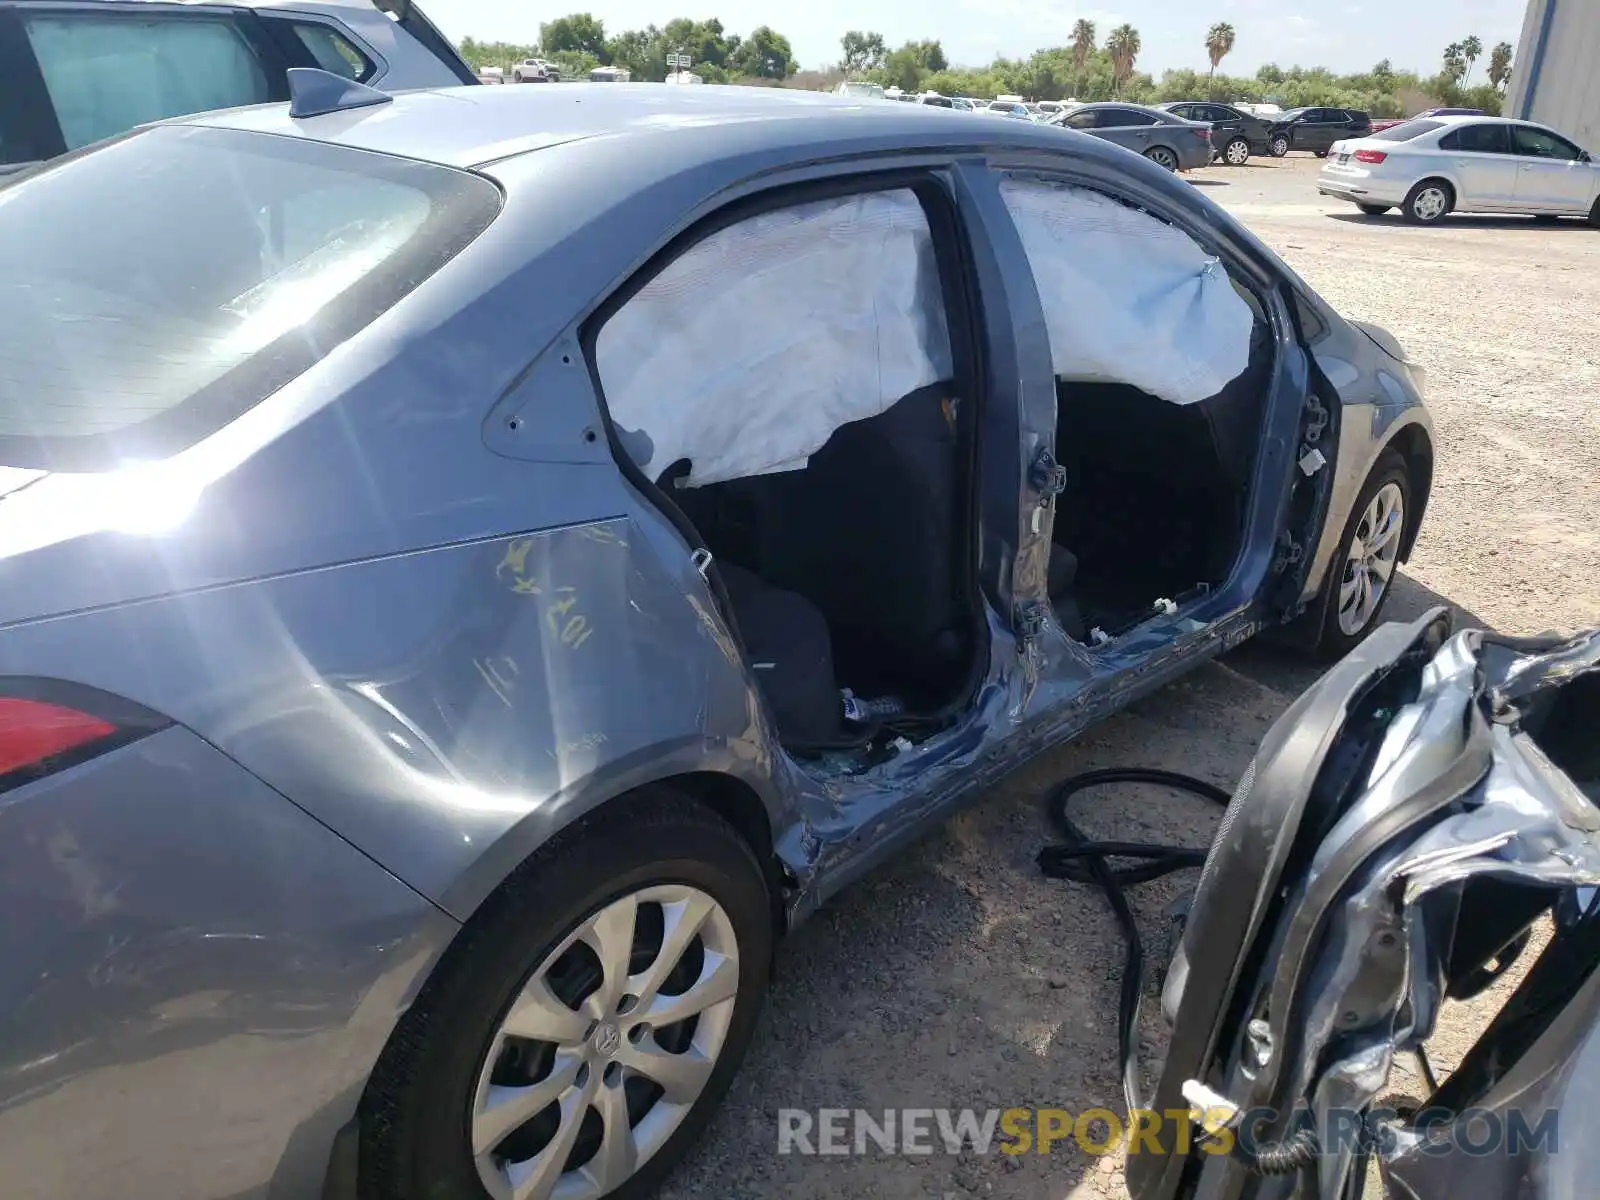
[
  {"x": 868, "y": 532},
  {"x": 791, "y": 656}
]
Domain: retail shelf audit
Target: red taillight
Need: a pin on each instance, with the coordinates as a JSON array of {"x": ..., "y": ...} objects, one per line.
[
  {"x": 1370, "y": 156},
  {"x": 33, "y": 731}
]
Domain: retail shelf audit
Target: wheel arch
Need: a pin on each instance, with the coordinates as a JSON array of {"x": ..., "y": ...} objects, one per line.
[
  {"x": 1415, "y": 448},
  {"x": 690, "y": 768},
  {"x": 1444, "y": 177}
]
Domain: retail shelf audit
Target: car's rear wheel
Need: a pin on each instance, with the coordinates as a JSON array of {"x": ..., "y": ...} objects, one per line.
[
  {"x": 587, "y": 1021},
  {"x": 1362, "y": 568},
  {"x": 1594, "y": 214},
  {"x": 1162, "y": 157},
  {"x": 1279, "y": 146},
  {"x": 1428, "y": 201},
  {"x": 1320, "y": 153},
  {"x": 1236, "y": 153},
  {"x": 1374, "y": 210}
]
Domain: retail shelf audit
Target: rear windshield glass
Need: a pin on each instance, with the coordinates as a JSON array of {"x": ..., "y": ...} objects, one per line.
[
  {"x": 157, "y": 287},
  {"x": 1406, "y": 131}
]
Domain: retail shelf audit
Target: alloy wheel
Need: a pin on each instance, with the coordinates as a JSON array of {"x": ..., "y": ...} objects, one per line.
[
  {"x": 1163, "y": 158},
  {"x": 604, "y": 1051},
  {"x": 1370, "y": 559},
  {"x": 1280, "y": 147},
  {"x": 1430, "y": 204},
  {"x": 1238, "y": 153}
]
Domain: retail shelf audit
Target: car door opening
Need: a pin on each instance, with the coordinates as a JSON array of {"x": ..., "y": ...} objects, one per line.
[
  {"x": 1163, "y": 363},
  {"x": 790, "y": 383}
]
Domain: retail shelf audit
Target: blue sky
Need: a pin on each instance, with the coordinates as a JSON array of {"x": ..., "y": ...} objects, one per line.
[{"x": 1347, "y": 35}]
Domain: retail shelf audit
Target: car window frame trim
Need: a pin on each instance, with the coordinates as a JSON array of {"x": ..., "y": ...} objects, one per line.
[{"x": 278, "y": 25}]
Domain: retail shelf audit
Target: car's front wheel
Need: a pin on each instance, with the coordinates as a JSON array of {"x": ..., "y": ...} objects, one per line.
[
  {"x": 1428, "y": 201},
  {"x": 1236, "y": 153},
  {"x": 585, "y": 1024},
  {"x": 1162, "y": 157},
  {"x": 1374, "y": 210},
  {"x": 1362, "y": 569},
  {"x": 1279, "y": 146}
]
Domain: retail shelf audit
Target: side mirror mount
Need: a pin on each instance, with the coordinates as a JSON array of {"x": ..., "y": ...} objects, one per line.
[{"x": 1584, "y": 156}]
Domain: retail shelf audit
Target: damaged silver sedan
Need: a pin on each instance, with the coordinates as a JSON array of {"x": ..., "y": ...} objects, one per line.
[
  {"x": 476, "y": 567},
  {"x": 1406, "y": 830}
]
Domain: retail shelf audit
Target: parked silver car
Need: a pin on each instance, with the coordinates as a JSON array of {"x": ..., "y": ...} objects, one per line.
[
  {"x": 478, "y": 566},
  {"x": 1164, "y": 138},
  {"x": 76, "y": 71}
]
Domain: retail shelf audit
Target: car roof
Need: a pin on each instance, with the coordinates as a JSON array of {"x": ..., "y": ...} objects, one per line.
[
  {"x": 1475, "y": 119},
  {"x": 472, "y": 126}
]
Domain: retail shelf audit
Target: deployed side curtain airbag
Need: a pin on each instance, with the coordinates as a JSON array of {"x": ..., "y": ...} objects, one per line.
[
  {"x": 1128, "y": 298},
  {"x": 745, "y": 353}
]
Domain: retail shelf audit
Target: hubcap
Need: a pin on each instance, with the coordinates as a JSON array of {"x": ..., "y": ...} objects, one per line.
[
  {"x": 606, "y": 1048},
  {"x": 1370, "y": 560},
  {"x": 1238, "y": 152},
  {"x": 1430, "y": 204}
]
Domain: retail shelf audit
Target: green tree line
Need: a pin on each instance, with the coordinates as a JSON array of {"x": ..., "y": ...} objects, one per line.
[
  {"x": 578, "y": 43},
  {"x": 1088, "y": 68}
]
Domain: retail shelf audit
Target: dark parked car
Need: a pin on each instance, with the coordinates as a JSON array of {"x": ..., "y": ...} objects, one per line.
[
  {"x": 1235, "y": 135},
  {"x": 1168, "y": 141},
  {"x": 1315, "y": 129},
  {"x": 478, "y": 566},
  {"x": 77, "y": 71}
]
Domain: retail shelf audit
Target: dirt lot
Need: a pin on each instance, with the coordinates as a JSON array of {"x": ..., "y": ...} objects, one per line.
[{"x": 958, "y": 976}]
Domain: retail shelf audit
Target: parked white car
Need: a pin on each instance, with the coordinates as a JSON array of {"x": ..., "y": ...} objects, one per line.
[
  {"x": 860, "y": 89},
  {"x": 1431, "y": 166},
  {"x": 530, "y": 70}
]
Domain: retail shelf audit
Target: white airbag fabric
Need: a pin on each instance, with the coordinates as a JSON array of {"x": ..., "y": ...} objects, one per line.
[
  {"x": 747, "y": 351},
  {"x": 1128, "y": 298}
]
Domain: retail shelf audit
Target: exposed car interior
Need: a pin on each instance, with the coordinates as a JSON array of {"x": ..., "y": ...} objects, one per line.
[
  {"x": 788, "y": 384},
  {"x": 1163, "y": 364},
  {"x": 807, "y": 424},
  {"x": 1155, "y": 501}
]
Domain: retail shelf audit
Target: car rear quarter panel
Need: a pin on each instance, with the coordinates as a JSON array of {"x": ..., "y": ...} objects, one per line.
[{"x": 197, "y": 978}]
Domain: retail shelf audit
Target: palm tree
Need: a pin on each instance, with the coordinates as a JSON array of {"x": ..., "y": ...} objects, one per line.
[
  {"x": 1082, "y": 47},
  {"x": 1500, "y": 64},
  {"x": 1455, "y": 64},
  {"x": 1123, "y": 47},
  {"x": 1471, "y": 47},
  {"x": 1219, "y": 40}
]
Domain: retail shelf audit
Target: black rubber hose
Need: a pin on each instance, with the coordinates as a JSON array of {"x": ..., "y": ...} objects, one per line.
[
  {"x": 1079, "y": 860},
  {"x": 1297, "y": 1150}
]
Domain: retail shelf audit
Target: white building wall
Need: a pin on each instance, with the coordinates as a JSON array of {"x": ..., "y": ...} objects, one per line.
[{"x": 1566, "y": 93}]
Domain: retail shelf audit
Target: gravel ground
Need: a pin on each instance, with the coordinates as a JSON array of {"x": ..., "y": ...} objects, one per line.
[{"x": 958, "y": 976}]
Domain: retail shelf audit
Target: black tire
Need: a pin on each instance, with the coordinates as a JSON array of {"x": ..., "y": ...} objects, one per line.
[
  {"x": 1162, "y": 157},
  {"x": 1236, "y": 153},
  {"x": 1278, "y": 147},
  {"x": 1594, "y": 215},
  {"x": 1408, "y": 207},
  {"x": 414, "y": 1115},
  {"x": 1320, "y": 153},
  {"x": 1374, "y": 210},
  {"x": 1547, "y": 219},
  {"x": 1332, "y": 642}
]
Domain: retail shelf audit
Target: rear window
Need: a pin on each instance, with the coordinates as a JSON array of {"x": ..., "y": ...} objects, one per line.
[
  {"x": 155, "y": 288},
  {"x": 1406, "y": 131}
]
